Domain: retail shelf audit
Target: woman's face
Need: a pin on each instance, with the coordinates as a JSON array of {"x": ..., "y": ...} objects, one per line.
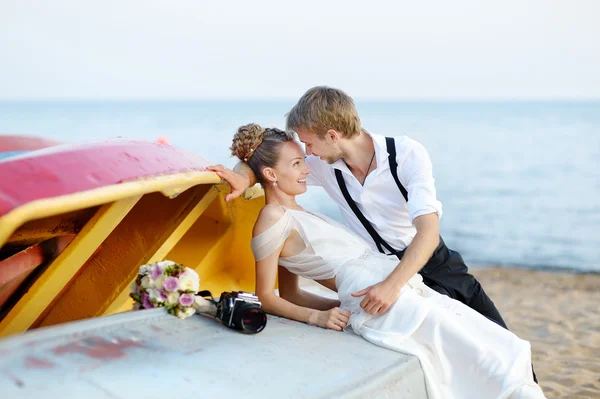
[{"x": 291, "y": 171}]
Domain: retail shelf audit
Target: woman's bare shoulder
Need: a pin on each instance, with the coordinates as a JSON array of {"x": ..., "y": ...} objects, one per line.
[{"x": 268, "y": 216}]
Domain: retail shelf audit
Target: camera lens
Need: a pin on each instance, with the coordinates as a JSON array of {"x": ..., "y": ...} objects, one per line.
[{"x": 253, "y": 320}]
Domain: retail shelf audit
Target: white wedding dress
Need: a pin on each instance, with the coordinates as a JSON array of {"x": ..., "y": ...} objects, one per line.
[{"x": 462, "y": 353}]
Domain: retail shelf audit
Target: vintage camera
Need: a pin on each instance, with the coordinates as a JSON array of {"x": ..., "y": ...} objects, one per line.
[
  {"x": 241, "y": 311},
  {"x": 237, "y": 309}
]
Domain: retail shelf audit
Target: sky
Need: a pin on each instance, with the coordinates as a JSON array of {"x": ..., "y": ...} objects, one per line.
[{"x": 196, "y": 49}]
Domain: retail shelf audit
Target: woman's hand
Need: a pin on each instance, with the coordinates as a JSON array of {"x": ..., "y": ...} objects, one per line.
[
  {"x": 333, "y": 319},
  {"x": 238, "y": 182}
]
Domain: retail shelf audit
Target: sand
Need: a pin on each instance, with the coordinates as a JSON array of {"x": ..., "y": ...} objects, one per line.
[{"x": 559, "y": 313}]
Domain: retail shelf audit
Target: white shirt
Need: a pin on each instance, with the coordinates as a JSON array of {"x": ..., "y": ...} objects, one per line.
[{"x": 379, "y": 199}]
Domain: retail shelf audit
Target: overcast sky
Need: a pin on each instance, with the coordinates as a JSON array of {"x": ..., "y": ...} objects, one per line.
[{"x": 192, "y": 49}]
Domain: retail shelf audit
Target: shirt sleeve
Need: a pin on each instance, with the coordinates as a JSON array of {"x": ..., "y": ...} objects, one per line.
[
  {"x": 315, "y": 177},
  {"x": 416, "y": 173}
]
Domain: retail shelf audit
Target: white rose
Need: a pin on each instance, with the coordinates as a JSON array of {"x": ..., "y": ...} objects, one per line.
[
  {"x": 189, "y": 311},
  {"x": 144, "y": 270},
  {"x": 188, "y": 281},
  {"x": 155, "y": 294},
  {"x": 158, "y": 283},
  {"x": 147, "y": 282},
  {"x": 173, "y": 298},
  {"x": 165, "y": 263},
  {"x": 191, "y": 272},
  {"x": 182, "y": 314}
]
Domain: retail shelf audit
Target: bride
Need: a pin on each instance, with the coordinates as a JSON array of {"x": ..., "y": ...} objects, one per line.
[{"x": 463, "y": 354}]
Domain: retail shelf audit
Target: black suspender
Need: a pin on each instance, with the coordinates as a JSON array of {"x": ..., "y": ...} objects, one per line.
[
  {"x": 380, "y": 242},
  {"x": 391, "y": 148},
  {"x": 374, "y": 235}
]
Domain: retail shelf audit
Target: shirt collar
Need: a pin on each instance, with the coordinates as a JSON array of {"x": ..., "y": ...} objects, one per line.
[{"x": 381, "y": 154}]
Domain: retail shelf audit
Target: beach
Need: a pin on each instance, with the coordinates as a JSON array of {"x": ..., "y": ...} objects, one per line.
[{"x": 559, "y": 313}]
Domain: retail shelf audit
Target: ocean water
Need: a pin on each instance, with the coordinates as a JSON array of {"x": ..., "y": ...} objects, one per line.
[{"x": 519, "y": 181}]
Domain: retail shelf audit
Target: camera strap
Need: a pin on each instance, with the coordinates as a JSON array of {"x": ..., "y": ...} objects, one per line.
[{"x": 206, "y": 293}]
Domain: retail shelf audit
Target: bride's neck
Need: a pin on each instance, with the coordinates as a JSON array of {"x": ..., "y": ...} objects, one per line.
[{"x": 277, "y": 197}]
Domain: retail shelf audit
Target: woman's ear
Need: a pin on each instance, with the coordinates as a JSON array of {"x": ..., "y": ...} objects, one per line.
[{"x": 269, "y": 174}]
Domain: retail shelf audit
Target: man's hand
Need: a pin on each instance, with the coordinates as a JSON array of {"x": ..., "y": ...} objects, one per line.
[
  {"x": 379, "y": 297},
  {"x": 237, "y": 182}
]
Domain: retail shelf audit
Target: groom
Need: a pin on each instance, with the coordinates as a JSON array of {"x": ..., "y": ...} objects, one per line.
[{"x": 385, "y": 190}]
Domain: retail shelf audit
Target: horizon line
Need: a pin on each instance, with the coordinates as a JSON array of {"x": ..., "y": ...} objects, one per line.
[{"x": 286, "y": 98}]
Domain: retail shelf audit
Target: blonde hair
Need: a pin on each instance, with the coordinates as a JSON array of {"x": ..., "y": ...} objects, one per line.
[
  {"x": 258, "y": 147},
  {"x": 322, "y": 108}
]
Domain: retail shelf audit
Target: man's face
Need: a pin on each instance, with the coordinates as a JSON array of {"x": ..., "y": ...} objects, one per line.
[{"x": 322, "y": 148}]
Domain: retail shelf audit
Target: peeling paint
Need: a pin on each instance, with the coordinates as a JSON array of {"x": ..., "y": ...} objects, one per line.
[
  {"x": 99, "y": 348},
  {"x": 32, "y": 362}
]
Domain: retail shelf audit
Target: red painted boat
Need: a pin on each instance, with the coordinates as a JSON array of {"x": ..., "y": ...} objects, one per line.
[{"x": 81, "y": 218}]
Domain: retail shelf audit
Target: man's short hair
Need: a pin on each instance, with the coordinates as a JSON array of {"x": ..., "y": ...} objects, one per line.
[{"x": 322, "y": 108}]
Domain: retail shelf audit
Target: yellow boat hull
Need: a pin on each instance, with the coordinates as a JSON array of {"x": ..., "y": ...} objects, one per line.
[{"x": 180, "y": 216}]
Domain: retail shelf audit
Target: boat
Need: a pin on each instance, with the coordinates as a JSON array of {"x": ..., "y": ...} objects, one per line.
[{"x": 76, "y": 223}]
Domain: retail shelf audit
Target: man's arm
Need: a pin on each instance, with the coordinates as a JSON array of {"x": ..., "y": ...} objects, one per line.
[
  {"x": 240, "y": 178},
  {"x": 379, "y": 297},
  {"x": 424, "y": 210},
  {"x": 419, "y": 251}
]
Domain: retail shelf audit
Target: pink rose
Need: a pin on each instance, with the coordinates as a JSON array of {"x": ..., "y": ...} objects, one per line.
[
  {"x": 171, "y": 284},
  {"x": 186, "y": 300},
  {"x": 146, "y": 303},
  {"x": 156, "y": 272}
]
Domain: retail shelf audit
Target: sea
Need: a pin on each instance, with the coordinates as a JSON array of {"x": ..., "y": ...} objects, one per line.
[{"x": 519, "y": 180}]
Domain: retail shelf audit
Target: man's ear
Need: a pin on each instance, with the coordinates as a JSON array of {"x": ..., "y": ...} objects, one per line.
[
  {"x": 334, "y": 135},
  {"x": 269, "y": 174}
]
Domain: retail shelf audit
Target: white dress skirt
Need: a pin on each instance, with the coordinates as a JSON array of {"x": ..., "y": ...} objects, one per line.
[{"x": 463, "y": 354}]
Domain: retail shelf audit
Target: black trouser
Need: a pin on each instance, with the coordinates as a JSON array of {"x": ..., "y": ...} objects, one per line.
[{"x": 447, "y": 274}]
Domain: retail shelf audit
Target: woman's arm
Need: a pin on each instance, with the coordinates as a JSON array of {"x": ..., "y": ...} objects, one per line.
[
  {"x": 290, "y": 290},
  {"x": 240, "y": 178},
  {"x": 266, "y": 271}
]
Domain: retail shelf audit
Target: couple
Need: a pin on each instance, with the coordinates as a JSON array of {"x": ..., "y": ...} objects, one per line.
[{"x": 385, "y": 190}]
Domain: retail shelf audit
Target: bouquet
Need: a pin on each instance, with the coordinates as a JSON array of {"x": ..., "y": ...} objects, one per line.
[{"x": 166, "y": 284}]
